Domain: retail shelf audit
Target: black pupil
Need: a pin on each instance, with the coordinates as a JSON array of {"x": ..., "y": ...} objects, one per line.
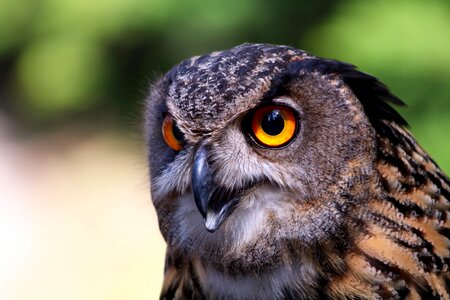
[
  {"x": 177, "y": 133},
  {"x": 273, "y": 123}
]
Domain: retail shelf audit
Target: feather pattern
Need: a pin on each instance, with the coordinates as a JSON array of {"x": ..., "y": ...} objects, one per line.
[
  {"x": 354, "y": 208},
  {"x": 407, "y": 221}
]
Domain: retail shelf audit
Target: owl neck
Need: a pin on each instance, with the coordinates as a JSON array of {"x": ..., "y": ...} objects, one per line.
[{"x": 297, "y": 280}]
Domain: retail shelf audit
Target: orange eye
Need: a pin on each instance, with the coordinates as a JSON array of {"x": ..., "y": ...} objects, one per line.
[
  {"x": 274, "y": 125},
  {"x": 172, "y": 135}
]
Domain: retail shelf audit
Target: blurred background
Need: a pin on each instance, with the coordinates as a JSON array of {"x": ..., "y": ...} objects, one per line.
[{"x": 76, "y": 220}]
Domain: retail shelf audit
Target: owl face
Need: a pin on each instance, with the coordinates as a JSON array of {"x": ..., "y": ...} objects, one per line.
[{"x": 256, "y": 148}]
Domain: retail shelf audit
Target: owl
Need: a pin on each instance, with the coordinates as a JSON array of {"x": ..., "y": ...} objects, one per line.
[{"x": 276, "y": 174}]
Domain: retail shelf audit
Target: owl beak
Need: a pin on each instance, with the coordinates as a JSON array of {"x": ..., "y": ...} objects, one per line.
[{"x": 214, "y": 203}]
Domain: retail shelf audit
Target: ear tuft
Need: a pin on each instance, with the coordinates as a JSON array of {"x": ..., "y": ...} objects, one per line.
[{"x": 374, "y": 96}]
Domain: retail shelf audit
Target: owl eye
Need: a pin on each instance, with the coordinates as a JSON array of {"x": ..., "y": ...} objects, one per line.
[
  {"x": 274, "y": 125},
  {"x": 172, "y": 135}
]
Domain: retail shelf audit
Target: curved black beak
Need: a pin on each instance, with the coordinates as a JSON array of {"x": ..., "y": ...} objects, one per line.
[{"x": 213, "y": 202}]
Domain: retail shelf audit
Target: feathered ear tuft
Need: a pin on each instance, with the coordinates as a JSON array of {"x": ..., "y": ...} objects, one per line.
[
  {"x": 373, "y": 95},
  {"x": 376, "y": 100}
]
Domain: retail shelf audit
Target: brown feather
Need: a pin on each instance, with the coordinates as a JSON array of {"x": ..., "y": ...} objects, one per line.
[{"x": 352, "y": 208}]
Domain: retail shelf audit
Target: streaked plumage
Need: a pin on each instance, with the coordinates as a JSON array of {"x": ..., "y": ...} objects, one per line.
[{"x": 350, "y": 208}]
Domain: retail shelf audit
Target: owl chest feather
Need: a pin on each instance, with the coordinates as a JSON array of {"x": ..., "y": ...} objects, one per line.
[{"x": 400, "y": 248}]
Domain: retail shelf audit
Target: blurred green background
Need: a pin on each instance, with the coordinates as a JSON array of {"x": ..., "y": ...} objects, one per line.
[
  {"x": 73, "y": 76},
  {"x": 75, "y": 59}
]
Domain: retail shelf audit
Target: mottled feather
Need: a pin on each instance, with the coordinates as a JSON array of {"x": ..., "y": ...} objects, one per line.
[{"x": 354, "y": 208}]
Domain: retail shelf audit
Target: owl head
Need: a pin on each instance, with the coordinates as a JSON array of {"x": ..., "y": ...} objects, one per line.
[{"x": 260, "y": 150}]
